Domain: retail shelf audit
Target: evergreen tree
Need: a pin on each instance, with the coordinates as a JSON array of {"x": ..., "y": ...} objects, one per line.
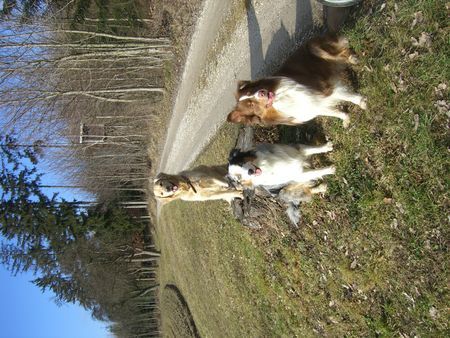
[
  {"x": 83, "y": 256},
  {"x": 35, "y": 226}
]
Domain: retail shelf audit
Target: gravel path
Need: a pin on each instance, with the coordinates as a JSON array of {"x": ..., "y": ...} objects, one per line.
[{"x": 262, "y": 39}]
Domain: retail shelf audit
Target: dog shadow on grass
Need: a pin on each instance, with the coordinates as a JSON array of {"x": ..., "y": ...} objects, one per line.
[{"x": 266, "y": 64}]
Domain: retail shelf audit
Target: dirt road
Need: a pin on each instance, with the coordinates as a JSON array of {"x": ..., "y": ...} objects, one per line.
[{"x": 231, "y": 42}]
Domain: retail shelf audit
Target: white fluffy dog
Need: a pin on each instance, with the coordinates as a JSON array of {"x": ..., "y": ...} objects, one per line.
[{"x": 276, "y": 165}]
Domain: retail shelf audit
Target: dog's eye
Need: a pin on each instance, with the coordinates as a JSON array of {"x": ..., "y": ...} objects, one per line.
[{"x": 251, "y": 171}]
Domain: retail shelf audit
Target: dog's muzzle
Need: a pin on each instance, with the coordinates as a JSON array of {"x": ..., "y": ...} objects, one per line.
[{"x": 169, "y": 187}]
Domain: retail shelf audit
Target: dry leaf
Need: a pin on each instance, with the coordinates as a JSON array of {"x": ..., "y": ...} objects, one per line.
[
  {"x": 443, "y": 107},
  {"x": 394, "y": 224},
  {"x": 416, "y": 122},
  {"x": 393, "y": 87},
  {"x": 440, "y": 90},
  {"x": 410, "y": 298},
  {"x": 412, "y": 56},
  {"x": 387, "y": 200},
  {"x": 400, "y": 207},
  {"x": 424, "y": 40},
  {"x": 401, "y": 84},
  {"x": 433, "y": 312},
  {"x": 418, "y": 18}
]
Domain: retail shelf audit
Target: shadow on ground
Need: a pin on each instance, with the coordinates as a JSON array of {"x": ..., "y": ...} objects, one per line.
[{"x": 178, "y": 321}]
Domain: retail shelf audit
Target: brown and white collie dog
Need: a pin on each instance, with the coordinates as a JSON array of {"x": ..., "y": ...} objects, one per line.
[{"x": 308, "y": 85}]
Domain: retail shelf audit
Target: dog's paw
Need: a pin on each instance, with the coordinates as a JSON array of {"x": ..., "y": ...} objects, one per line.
[
  {"x": 353, "y": 60},
  {"x": 346, "y": 121},
  {"x": 343, "y": 41},
  {"x": 332, "y": 170},
  {"x": 320, "y": 189},
  {"x": 363, "y": 103},
  {"x": 328, "y": 146}
]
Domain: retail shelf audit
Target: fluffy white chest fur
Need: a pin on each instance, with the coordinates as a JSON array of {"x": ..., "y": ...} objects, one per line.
[
  {"x": 295, "y": 100},
  {"x": 279, "y": 165}
]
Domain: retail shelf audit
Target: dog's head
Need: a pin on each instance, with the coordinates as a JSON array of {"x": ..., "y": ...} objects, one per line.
[
  {"x": 166, "y": 186},
  {"x": 252, "y": 100},
  {"x": 246, "y": 112},
  {"x": 241, "y": 166}
]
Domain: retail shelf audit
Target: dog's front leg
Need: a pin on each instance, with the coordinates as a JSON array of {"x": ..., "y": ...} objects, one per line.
[
  {"x": 311, "y": 150},
  {"x": 229, "y": 196},
  {"x": 320, "y": 189},
  {"x": 315, "y": 174},
  {"x": 342, "y": 93},
  {"x": 341, "y": 115}
]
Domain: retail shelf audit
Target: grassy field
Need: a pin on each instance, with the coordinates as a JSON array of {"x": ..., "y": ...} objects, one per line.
[{"x": 371, "y": 257}]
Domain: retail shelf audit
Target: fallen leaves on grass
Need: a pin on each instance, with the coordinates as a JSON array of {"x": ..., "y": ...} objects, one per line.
[
  {"x": 441, "y": 90},
  {"x": 416, "y": 122},
  {"x": 418, "y": 18},
  {"x": 433, "y": 313},
  {"x": 414, "y": 55},
  {"x": 424, "y": 41},
  {"x": 443, "y": 107}
]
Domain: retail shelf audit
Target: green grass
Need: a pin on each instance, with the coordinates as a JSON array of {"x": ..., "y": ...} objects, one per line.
[{"x": 371, "y": 257}]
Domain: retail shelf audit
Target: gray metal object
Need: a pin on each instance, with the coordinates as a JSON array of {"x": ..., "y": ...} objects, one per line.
[{"x": 339, "y": 3}]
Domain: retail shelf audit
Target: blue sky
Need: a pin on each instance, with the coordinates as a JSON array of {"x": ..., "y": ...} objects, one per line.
[{"x": 26, "y": 312}]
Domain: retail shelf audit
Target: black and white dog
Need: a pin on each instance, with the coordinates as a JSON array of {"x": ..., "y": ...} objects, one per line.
[
  {"x": 283, "y": 168},
  {"x": 276, "y": 165}
]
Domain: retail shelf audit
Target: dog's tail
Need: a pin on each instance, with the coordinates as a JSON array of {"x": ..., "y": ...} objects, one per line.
[
  {"x": 332, "y": 48},
  {"x": 293, "y": 213}
]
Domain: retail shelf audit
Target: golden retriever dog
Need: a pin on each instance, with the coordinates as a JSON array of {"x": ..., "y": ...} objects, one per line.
[{"x": 204, "y": 183}]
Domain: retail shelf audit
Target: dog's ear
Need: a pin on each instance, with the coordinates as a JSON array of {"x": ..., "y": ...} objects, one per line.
[
  {"x": 159, "y": 177},
  {"x": 235, "y": 116},
  {"x": 233, "y": 154},
  {"x": 242, "y": 84}
]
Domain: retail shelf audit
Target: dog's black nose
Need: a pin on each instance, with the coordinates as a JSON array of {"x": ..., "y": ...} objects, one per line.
[{"x": 251, "y": 171}]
